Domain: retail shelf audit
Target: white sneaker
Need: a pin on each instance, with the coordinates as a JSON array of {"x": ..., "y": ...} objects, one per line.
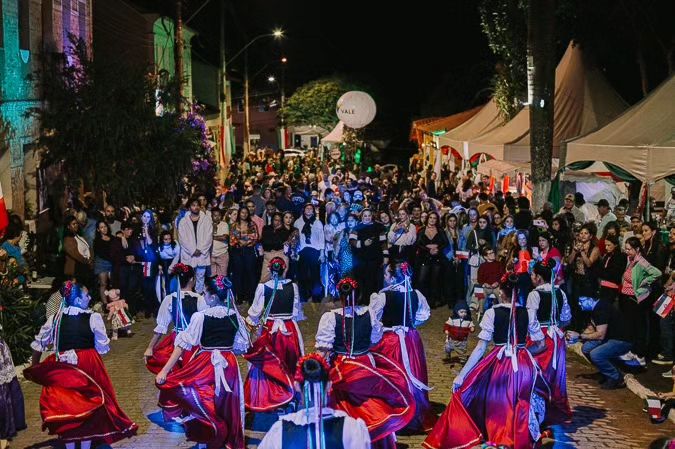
[
  {"x": 668, "y": 374},
  {"x": 628, "y": 356}
]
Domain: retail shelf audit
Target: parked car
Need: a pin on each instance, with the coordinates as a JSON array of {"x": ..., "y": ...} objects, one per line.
[{"x": 294, "y": 152}]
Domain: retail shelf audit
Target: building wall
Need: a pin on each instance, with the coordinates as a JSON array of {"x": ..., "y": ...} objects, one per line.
[
  {"x": 163, "y": 30},
  {"x": 49, "y": 21}
]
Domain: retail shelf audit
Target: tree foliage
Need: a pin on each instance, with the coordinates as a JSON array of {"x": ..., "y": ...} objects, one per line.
[
  {"x": 100, "y": 123},
  {"x": 314, "y": 103},
  {"x": 6, "y": 134}
]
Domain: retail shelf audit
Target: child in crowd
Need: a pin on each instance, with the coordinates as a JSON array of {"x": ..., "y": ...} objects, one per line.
[
  {"x": 489, "y": 274},
  {"x": 118, "y": 313},
  {"x": 457, "y": 330}
]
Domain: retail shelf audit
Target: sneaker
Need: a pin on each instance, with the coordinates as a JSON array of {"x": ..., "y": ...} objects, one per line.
[
  {"x": 627, "y": 356},
  {"x": 637, "y": 362},
  {"x": 663, "y": 360},
  {"x": 668, "y": 374},
  {"x": 613, "y": 384}
]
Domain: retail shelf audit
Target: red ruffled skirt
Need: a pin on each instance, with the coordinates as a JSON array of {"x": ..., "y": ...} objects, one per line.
[
  {"x": 558, "y": 410},
  {"x": 217, "y": 418},
  {"x": 375, "y": 389},
  {"x": 492, "y": 404},
  {"x": 162, "y": 353},
  {"x": 78, "y": 402},
  {"x": 273, "y": 359},
  {"x": 390, "y": 346}
]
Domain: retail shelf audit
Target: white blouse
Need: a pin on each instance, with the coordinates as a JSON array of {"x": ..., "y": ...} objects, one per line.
[
  {"x": 317, "y": 239},
  {"x": 165, "y": 313},
  {"x": 45, "y": 337},
  {"x": 533, "y": 300},
  {"x": 406, "y": 238},
  {"x": 487, "y": 325},
  {"x": 257, "y": 308},
  {"x": 354, "y": 433},
  {"x": 325, "y": 335},
  {"x": 192, "y": 336},
  {"x": 379, "y": 300}
]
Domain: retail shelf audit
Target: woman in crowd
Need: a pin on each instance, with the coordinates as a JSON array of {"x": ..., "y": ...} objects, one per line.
[
  {"x": 209, "y": 386},
  {"x": 519, "y": 262},
  {"x": 312, "y": 254},
  {"x": 102, "y": 257},
  {"x": 331, "y": 232},
  {"x": 243, "y": 239},
  {"x": 169, "y": 254},
  {"x": 550, "y": 306},
  {"x": 367, "y": 240},
  {"x": 274, "y": 317},
  {"x": 431, "y": 244},
  {"x": 454, "y": 269},
  {"x": 610, "y": 270},
  {"x": 401, "y": 310},
  {"x": 637, "y": 282},
  {"x": 401, "y": 238},
  {"x": 562, "y": 235},
  {"x": 78, "y": 401},
  {"x": 581, "y": 260},
  {"x": 78, "y": 255},
  {"x": 274, "y": 236},
  {"x": 345, "y": 253},
  {"x": 501, "y": 397},
  {"x": 148, "y": 258},
  {"x": 292, "y": 244},
  {"x": 548, "y": 252},
  {"x": 365, "y": 384}
]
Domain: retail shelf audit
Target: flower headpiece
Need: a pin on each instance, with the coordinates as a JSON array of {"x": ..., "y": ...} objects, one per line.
[
  {"x": 347, "y": 283},
  {"x": 406, "y": 270},
  {"x": 509, "y": 278},
  {"x": 222, "y": 283},
  {"x": 180, "y": 268},
  {"x": 67, "y": 289},
  {"x": 299, "y": 375},
  {"x": 277, "y": 264}
]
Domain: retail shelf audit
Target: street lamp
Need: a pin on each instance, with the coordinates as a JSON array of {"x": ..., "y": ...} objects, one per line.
[{"x": 271, "y": 78}]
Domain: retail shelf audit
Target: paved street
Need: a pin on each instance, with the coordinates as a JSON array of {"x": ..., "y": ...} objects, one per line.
[{"x": 602, "y": 419}]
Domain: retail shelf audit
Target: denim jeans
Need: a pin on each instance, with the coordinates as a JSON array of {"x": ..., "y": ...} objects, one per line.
[
  {"x": 601, "y": 354},
  {"x": 667, "y": 335}
]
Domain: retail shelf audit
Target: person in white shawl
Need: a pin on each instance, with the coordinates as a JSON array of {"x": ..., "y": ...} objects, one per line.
[{"x": 195, "y": 235}]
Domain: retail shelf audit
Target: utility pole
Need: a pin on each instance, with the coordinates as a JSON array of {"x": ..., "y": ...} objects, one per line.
[
  {"x": 283, "y": 102},
  {"x": 247, "y": 112},
  {"x": 180, "y": 76},
  {"x": 224, "y": 119}
]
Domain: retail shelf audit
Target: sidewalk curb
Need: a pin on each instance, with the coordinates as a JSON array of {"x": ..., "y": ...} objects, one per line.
[{"x": 632, "y": 383}]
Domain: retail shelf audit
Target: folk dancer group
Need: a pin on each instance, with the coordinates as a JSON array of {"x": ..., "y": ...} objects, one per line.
[{"x": 367, "y": 380}]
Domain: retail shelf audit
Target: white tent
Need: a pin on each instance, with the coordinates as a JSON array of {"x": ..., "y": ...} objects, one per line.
[
  {"x": 640, "y": 141},
  {"x": 583, "y": 101},
  {"x": 484, "y": 121},
  {"x": 336, "y": 135}
]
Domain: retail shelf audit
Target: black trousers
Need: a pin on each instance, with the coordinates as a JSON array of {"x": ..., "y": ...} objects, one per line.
[
  {"x": 245, "y": 275},
  {"x": 430, "y": 281},
  {"x": 309, "y": 275},
  {"x": 370, "y": 276}
]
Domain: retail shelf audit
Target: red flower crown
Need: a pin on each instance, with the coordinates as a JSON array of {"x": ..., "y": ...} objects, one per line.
[
  {"x": 405, "y": 269},
  {"x": 67, "y": 289},
  {"x": 179, "y": 268},
  {"x": 277, "y": 261},
  {"x": 299, "y": 376},
  {"x": 220, "y": 283},
  {"x": 348, "y": 281}
]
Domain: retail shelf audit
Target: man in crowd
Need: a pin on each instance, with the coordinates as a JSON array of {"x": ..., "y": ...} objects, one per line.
[
  {"x": 606, "y": 216},
  {"x": 220, "y": 256},
  {"x": 195, "y": 235},
  {"x": 111, "y": 219},
  {"x": 570, "y": 207}
]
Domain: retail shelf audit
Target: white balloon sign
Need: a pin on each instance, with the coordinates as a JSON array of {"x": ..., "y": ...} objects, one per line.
[{"x": 356, "y": 109}]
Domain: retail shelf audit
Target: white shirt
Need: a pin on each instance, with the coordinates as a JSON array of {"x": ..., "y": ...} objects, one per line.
[
  {"x": 325, "y": 335},
  {"x": 317, "y": 239},
  {"x": 45, "y": 337},
  {"x": 165, "y": 313},
  {"x": 379, "y": 300},
  {"x": 408, "y": 238},
  {"x": 220, "y": 248},
  {"x": 609, "y": 217},
  {"x": 193, "y": 334},
  {"x": 354, "y": 433},
  {"x": 487, "y": 324},
  {"x": 256, "y": 310}
]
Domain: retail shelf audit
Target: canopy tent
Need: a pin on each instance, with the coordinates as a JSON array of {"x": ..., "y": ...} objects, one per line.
[
  {"x": 308, "y": 130},
  {"x": 416, "y": 133},
  {"x": 583, "y": 101},
  {"x": 497, "y": 168},
  {"x": 484, "y": 121},
  {"x": 336, "y": 135},
  {"x": 640, "y": 141},
  {"x": 445, "y": 124}
]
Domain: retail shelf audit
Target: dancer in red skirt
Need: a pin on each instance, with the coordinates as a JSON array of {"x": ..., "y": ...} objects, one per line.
[
  {"x": 208, "y": 387},
  {"x": 501, "y": 397},
  {"x": 274, "y": 356},
  {"x": 550, "y": 306},
  {"x": 317, "y": 426},
  {"x": 78, "y": 400},
  {"x": 401, "y": 309},
  {"x": 365, "y": 384},
  {"x": 177, "y": 309}
]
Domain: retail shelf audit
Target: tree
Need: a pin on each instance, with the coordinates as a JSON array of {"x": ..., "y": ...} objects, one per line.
[
  {"x": 314, "y": 103},
  {"x": 541, "y": 66},
  {"x": 101, "y": 124},
  {"x": 6, "y": 134}
]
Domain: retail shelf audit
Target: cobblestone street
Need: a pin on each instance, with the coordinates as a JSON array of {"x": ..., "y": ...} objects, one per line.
[{"x": 601, "y": 420}]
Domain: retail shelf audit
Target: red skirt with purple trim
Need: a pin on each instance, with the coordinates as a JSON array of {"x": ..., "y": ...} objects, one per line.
[
  {"x": 558, "y": 410},
  {"x": 78, "y": 402},
  {"x": 217, "y": 418},
  {"x": 162, "y": 352},
  {"x": 375, "y": 389},
  {"x": 492, "y": 404},
  {"x": 273, "y": 359},
  {"x": 390, "y": 346}
]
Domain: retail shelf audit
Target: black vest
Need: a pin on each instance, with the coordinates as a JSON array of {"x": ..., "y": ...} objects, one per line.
[
  {"x": 283, "y": 300},
  {"x": 75, "y": 332},
  {"x": 295, "y": 436},
  {"x": 545, "y": 306},
  {"x": 502, "y": 317},
  {"x": 189, "y": 303},
  {"x": 219, "y": 332},
  {"x": 362, "y": 332},
  {"x": 392, "y": 314}
]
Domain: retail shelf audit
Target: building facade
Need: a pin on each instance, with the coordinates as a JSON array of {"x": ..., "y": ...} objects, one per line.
[{"x": 28, "y": 30}]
